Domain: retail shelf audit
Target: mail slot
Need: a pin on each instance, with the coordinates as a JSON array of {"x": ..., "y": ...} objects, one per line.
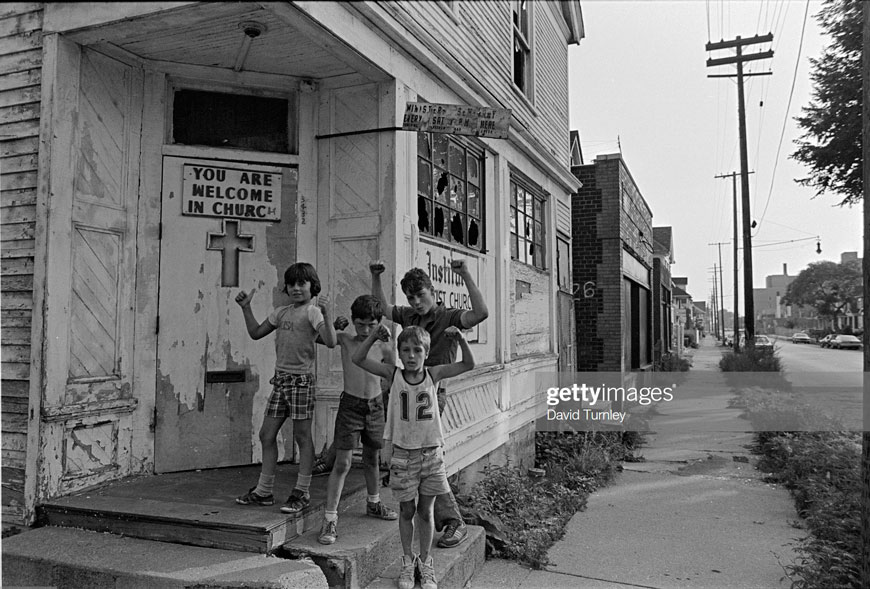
[{"x": 212, "y": 376}]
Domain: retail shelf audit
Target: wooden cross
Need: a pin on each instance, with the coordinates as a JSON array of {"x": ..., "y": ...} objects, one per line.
[{"x": 230, "y": 243}]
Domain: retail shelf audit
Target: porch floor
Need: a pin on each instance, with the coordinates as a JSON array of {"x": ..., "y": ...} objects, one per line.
[{"x": 196, "y": 507}]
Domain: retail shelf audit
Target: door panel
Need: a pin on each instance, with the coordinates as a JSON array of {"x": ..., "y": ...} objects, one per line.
[{"x": 209, "y": 370}]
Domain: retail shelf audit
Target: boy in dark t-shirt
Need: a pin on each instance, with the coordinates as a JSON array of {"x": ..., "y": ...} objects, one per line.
[{"x": 435, "y": 318}]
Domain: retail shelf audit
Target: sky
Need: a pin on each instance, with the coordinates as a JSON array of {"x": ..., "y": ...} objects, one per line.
[{"x": 639, "y": 85}]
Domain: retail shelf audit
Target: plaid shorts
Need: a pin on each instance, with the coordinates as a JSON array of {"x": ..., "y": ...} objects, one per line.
[{"x": 292, "y": 396}]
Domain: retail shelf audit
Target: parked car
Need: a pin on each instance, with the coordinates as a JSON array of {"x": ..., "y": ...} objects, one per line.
[
  {"x": 825, "y": 342},
  {"x": 761, "y": 341},
  {"x": 844, "y": 342},
  {"x": 801, "y": 338}
]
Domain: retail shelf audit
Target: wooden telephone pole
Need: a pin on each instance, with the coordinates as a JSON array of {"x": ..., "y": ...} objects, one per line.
[{"x": 740, "y": 59}]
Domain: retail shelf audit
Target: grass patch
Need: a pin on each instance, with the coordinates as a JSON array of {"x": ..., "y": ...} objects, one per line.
[
  {"x": 751, "y": 359},
  {"x": 822, "y": 471},
  {"x": 523, "y": 515}
]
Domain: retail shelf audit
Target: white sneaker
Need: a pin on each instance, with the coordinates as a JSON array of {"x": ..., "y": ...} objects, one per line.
[
  {"x": 406, "y": 577},
  {"x": 427, "y": 573}
]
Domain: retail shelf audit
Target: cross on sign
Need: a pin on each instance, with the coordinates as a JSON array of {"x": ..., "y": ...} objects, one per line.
[{"x": 230, "y": 243}]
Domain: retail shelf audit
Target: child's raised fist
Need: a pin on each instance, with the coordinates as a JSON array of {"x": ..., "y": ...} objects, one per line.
[
  {"x": 452, "y": 333},
  {"x": 340, "y": 323},
  {"x": 323, "y": 303},
  {"x": 383, "y": 333},
  {"x": 377, "y": 267},
  {"x": 244, "y": 298},
  {"x": 459, "y": 266}
]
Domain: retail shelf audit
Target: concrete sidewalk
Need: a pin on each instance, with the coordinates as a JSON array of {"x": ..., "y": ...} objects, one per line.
[{"x": 696, "y": 513}]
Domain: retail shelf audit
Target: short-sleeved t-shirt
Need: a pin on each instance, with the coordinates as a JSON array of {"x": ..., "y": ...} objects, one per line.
[
  {"x": 296, "y": 328},
  {"x": 442, "y": 350}
]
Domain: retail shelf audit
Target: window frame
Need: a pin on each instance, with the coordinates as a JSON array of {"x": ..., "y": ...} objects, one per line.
[
  {"x": 428, "y": 166},
  {"x": 537, "y": 212},
  {"x": 522, "y": 32}
]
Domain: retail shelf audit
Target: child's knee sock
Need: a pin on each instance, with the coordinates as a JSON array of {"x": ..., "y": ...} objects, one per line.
[
  {"x": 265, "y": 485},
  {"x": 330, "y": 516},
  {"x": 303, "y": 482},
  {"x": 376, "y": 498}
]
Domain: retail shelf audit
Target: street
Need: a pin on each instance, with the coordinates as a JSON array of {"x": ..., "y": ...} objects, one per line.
[{"x": 841, "y": 367}]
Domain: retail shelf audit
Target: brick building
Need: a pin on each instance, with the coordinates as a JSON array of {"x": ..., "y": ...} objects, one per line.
[
  {"x": 662, "y": 296},
  {"x": 613, "y": 259}
]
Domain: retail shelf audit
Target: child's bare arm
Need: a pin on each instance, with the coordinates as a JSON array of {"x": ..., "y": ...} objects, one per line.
[
  {"x": 327, "y": 329},
  {"x": 448, "y": 370},
  {"x": 377, "y": 268},
  {"x": 339, "y": 324},
  {"x": 255, "y": 330},
  {"x": 361, "y": 359},
  {"x": 478, "y": 311}
]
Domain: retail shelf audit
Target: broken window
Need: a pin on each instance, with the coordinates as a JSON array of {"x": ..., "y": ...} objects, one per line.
[
  {"x": 450, "y": 190},
  {"x": 527, "y": 223}
]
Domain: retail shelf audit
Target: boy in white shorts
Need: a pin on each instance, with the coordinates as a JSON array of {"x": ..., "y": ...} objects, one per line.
[{"x": 417, "y": 473}]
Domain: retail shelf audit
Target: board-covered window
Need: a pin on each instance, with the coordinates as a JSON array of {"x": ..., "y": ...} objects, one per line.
[
  {"x": 217, "y": 119},
  {"x": 527, "y": 223},
  {"x": 450, "y": 190}
]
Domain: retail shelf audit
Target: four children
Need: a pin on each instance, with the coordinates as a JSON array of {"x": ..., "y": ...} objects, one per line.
[{"x": 427, "y": 348}]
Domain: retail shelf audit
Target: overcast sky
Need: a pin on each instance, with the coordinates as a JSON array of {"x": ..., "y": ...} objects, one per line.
[{"x": 640, "y": 76}]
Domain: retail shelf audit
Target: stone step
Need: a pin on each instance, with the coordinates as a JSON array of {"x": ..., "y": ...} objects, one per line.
[
  {"x": 70, "y": 558},
  {"x": 368, "y": 550}
]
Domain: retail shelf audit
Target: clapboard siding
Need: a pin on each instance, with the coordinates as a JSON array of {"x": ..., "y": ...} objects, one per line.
[
  {"x": 479, "y": 37},
  {"x": 20, "y": 93}
]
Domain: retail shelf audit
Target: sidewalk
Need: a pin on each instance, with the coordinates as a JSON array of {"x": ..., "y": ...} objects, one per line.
[{"x": 696, "y": 513}]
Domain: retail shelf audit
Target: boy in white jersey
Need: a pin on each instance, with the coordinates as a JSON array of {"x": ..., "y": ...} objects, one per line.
[{"x": 417, "y": 473}]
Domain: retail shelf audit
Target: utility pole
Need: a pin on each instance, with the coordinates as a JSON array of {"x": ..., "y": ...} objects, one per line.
[
  {"x": 721, "y": 283},
  {"x": 739, "y": 59},
  {"x": 715, "y": 325},
  {"x": 733, "y": 176}
]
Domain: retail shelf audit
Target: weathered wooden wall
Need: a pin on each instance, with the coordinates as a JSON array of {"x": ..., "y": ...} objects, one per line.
[{"x": 20, "y": 79}]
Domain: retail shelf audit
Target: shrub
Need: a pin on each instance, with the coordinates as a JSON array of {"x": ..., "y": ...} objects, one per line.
[
  {"x": 672, "y": 363},
  {"x": 751, "y": 359},
  {"x": 524, "y": 516}
]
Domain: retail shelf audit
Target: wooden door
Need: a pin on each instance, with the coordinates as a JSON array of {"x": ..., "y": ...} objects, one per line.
[
  {"x": 566, "y": 329},
  {"x": 217, "y": 238}
]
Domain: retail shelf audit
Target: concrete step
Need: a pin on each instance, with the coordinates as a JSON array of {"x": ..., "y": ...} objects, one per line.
[
  {"x": 83, "y": 559},
  {"x": 368, "y": 551}
]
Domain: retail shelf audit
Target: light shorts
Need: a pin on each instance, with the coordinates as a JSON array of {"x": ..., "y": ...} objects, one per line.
[
  {"x": 359, "y": 419},
  {"x": 292, "y": 396},
  {"x": 420, "y": 471}
]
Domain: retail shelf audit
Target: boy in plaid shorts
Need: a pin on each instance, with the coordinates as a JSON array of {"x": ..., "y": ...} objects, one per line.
[
  {"x": 417, "y": 472},
  {"x": 298, "y": 326}
]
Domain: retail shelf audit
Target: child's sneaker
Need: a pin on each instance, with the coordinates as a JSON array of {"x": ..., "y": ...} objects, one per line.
[
  {"x": 406, "y": 577},
  {"x": 320, "y": 469},
  {"x": 427, "y": 573},
  {"x": 381, "y": 511},
  {"x": 328, "y": 532},
  {"x": 296, "y": 502},
  {"x": 251, "y": 498}
]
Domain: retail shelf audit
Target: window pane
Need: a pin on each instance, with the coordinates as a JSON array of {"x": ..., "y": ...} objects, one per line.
[
  {"x": 441, "y": 181},
  {"x": 514, "y": 253},
  {"x": 530, "y": 203},
  {"x": 424, "y": 178},
  {"x": 527, "y": 227},
  {"x": 513, "y": 217},
  {"x": 424, "y": 214},
  {"x": 539, "y": 256},
  {"x": 457, "y": 160},
  {"x": 473, "y": 201},
  {"x": 439, "y": 149},
  {"x": 514, "y": 195},
  {"x": 423, "y": 148},
  {"x": 457, "y": 194},
  {"x": 439, "y": 222},
  {"x": 232, "y": 120},
  {"x": 457, "y": 227},
  {"x": 473, "y": 170},
  {"x": 539, "y": 233},
  {"x": 538, "y": 212},
  {"x": 473, "y": 233}
]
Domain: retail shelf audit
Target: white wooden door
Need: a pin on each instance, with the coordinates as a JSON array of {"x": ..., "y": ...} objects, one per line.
[{"x": 209, "y": 371}]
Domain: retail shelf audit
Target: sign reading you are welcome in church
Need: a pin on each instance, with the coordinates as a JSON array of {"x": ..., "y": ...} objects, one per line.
[{"x": 238, "y": 192}]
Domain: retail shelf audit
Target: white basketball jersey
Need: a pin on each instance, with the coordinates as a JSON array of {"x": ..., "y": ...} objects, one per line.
[{"x": 413, "y": 420}]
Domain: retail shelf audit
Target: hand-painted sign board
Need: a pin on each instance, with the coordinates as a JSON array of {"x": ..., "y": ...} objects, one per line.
[
  {"x": 245, "y": 192},
  {"x": 457, "y": 119}
]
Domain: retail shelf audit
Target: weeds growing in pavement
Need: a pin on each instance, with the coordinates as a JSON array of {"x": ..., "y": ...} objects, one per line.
[
  {"x": 751, "y": 359},
  {"x": 523, "y": 515}
]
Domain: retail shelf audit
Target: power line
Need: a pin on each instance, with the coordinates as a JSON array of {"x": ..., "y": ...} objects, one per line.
[{"x": 785, "y": 120}]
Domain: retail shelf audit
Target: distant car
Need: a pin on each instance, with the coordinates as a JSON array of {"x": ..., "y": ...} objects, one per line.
[
  {"x": 761, "y": 341},
  {"x": 825, "y": 342},
  {"x": 801, "y": 338},
  {"x": 844, "y": 342}
]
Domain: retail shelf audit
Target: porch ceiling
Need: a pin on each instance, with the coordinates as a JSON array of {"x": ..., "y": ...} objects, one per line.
[{"x": 209, "y": 34}]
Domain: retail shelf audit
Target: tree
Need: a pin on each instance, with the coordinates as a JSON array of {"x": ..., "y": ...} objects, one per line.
[
  {"x": 830, "y": 288},
  {"x": 831, "y": 142}
]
